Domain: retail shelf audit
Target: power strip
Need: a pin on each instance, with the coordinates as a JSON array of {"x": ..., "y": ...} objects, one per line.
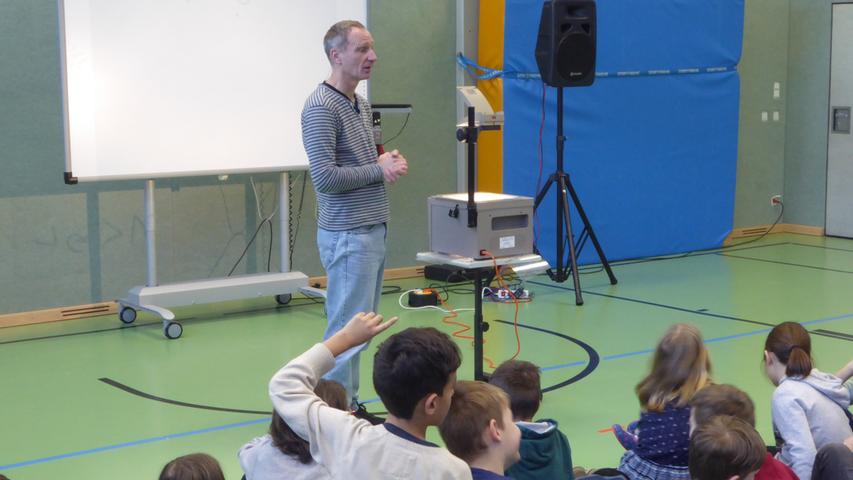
[{"x": 503, "y": 294}]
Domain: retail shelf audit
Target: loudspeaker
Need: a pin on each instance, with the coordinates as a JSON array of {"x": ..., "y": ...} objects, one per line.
[{"x": 565, "y": 48}]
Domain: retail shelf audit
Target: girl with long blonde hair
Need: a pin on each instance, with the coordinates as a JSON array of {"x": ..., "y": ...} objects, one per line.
[{"x": 680, "y": 367}]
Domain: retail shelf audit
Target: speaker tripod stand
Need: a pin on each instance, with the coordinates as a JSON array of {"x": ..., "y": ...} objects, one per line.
[{"x": 564, "y": 189}]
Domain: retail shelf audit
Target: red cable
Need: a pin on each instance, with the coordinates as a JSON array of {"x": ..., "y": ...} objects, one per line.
[
  {"x": 539, "y": 155},
  {"x": 502, "y": 283},
  {"x": 463, "y": 328}
]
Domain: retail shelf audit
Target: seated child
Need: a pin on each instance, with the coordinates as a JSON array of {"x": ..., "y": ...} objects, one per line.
[
  {"x": 281, "y": 454},
  {"x": 716, "y": 400},
  {"x": 809, "y": 407},
  {"x": 545, "y": 451},
  {"x": 725, "y": 448},
  {"x": 680, "y": 368},
  {"x": 414, "y": 373},
  {"x": 195, "y": 466},
  {"x": 479, "y": 429}
]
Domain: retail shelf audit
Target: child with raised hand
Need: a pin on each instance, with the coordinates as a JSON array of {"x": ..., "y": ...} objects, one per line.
[
  {"x": 681, "y": 367},
  {"x": 283, "y": 455},
  {"x": 414, "y": 374},
  {"x": 479, "y": 429},
  {"x": 809, "y": 407},
  {"x": 545, "y": 451}
]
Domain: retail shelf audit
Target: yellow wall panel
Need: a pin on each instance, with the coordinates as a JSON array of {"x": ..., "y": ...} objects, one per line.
[{"x": 490, "y": 54}]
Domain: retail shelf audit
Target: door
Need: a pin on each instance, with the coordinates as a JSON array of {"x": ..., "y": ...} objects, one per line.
[{"x": 839, "y": 171}]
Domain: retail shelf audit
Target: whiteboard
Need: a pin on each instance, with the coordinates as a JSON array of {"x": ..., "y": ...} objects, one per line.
[{"x": 168, "y": 88}]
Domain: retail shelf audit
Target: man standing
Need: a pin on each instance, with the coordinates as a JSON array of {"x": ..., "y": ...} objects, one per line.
[{"x": 349, "y": 178}]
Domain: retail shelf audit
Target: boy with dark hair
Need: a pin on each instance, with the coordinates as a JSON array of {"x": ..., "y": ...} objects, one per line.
[
  {"x": 479, "y": 429},
  {"x": 725, "y": 448},
  {"x": 414, "y": 375},
  {"x": 715, "y": 400},
  {"x": 545, "y": 451},
  {"x": 193, "y": 466}
]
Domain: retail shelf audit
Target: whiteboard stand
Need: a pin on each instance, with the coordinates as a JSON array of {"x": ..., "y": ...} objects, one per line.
[{"x": 156, "y": 299}]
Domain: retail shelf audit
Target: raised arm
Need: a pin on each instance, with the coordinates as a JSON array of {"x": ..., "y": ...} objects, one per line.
[
  {"x": 328, "y": 430},
  {"x": 846, "y": 372}
]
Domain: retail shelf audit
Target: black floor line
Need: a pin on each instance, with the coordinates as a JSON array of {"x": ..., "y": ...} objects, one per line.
[
  {"x": 592, "y": 365},
  {"x": 822, "y": 247},
  {"x": 148, "y": 396},
  {"x": 819, "y": 332},
  {"x": 659, "y": 305},
  {"x": 87, "y": 332},
  {"x": 837, "y": 337},
  {"x": 594, "y": 359},
  {"x": 811, "y": 267},
  {"x": 699, "y": 253},
  {"x": 831, "y": 334}
]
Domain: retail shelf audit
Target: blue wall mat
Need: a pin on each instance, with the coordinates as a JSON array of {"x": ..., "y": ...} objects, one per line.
[{"x": 652, "y": 157}]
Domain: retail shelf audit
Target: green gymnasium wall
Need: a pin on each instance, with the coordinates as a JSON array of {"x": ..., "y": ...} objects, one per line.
[
  {"x": 67, "y": 245},
  {"x": 761, "y": 145},
  {"x": 808, "y": 99},
  {"x": 787, "y": 39}
]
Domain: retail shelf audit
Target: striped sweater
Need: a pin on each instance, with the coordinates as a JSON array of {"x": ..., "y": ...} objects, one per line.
[{"x": 338, "y": 138}]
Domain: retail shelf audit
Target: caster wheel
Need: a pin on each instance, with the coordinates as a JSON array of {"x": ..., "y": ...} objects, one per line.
[
  {"x": 283, "y": 299},
  {"x": 173, "y": 330},
  {"x": 127, "y": 315}
]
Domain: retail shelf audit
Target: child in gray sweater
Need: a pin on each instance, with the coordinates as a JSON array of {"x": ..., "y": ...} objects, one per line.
[{"x": 808, "y": 406}]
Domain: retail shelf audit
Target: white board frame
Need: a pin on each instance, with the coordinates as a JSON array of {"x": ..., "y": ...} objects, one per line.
[{"x": 172, "y": 88}]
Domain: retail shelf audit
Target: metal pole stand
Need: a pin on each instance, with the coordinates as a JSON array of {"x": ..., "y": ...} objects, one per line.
[{"x": 564, "y": 189}]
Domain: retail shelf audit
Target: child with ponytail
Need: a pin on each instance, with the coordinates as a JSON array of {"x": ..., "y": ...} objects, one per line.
[{"x": 809, "y": 407}]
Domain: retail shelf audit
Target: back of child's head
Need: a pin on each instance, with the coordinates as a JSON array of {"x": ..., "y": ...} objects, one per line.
[
  {"x": 715, "y": 400},
  {"x": 195, "y": 466},
  {"x": 791, "y": 344},
  {"x": 412, "y": 364},
  {"x": 723, "y": 447},
  {"x": 291, "y": 444},
  {"x": 680, "y": 367},
  {"x": 474, "y": 405},
  {"x": 521, "y": 381}
]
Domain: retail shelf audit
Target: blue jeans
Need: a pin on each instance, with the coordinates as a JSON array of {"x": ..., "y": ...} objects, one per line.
[{"x": 354, "y": 261}]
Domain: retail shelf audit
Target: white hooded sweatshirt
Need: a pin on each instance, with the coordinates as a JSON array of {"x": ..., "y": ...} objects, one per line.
[{"x": 807, "y": 414}]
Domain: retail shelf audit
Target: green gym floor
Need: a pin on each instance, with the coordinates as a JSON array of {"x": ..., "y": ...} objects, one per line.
[{"x": 94, "y": 399}]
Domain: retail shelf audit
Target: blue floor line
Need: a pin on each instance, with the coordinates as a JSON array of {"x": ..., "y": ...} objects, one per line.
[
  {"x": 372, "y": 400},
  {"x": 827, "y": 319},
  {"x": 710, "y": 340},
  {"x": 565, "y": 365},
  {"x": 133, "y": 443}
]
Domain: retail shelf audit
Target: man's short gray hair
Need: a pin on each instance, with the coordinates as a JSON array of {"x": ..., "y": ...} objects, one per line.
[{"x": 337, "y": 35}]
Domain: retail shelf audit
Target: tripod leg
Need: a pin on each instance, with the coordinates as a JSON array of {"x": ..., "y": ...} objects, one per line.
[
  {"x": 591, "y": 233},
  {"x": 563, "y": 196},
  {"x": 543, "y": 192}
]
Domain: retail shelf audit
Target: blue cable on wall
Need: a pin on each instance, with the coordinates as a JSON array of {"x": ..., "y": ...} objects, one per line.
[{"x": 473, "y": 69}]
